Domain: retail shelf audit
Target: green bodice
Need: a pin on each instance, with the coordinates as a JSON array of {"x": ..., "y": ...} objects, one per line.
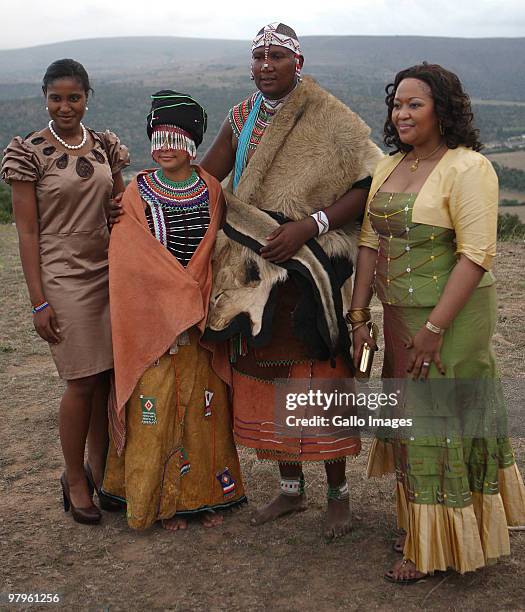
[{"x": 414, "y": 260}]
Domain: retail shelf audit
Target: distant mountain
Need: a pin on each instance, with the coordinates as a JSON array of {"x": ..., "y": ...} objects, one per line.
[
  {"x": 116, "y": 58},
  {"x": 490, "y": 67},
  {"x": 125, "y": 71}
]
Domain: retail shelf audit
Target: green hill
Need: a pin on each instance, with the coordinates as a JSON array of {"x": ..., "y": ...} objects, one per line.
[{"x": 125, "y": 71}]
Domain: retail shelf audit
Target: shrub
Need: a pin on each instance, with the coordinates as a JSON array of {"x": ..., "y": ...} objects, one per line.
[
  {"x": 510, "y": 178},
  {"x": 510, "y": 227},
  {"x": 6, "y": 208}
]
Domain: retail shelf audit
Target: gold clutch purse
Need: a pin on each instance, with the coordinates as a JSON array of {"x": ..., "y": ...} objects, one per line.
[{"x": 367, "y": 354}]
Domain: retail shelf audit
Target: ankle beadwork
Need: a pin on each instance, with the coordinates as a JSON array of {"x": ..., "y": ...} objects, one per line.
[
  {"x": 340, "y": 493},
  {"x": 293, "y": 487}
]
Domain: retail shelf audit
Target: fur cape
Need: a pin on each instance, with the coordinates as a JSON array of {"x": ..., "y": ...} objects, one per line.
[{"x": 311, "y": 154}]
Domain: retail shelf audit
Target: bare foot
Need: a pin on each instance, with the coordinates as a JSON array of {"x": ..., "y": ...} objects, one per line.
[
  {"x": 279, "y": 506},
  {"x": 175, "y": 523},
  {"x": 338, "y": 520},
  {"x": 211, "y": 519},
  {"x": 404, "y": 572},
  {"x": 399, "y": 544}
]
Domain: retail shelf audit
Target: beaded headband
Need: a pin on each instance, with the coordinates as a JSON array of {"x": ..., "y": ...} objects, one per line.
[
  {"x": 172, "y": 137},
  {"x": 280, "y": 35},
  {"x": 270, "y": 35}
]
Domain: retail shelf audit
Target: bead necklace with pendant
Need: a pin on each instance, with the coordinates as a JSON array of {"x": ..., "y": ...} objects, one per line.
[{"x": 415, "y": 164}]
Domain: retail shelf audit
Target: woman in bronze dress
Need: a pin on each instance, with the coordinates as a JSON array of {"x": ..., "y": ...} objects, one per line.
[{"x": 62, "y": 179}]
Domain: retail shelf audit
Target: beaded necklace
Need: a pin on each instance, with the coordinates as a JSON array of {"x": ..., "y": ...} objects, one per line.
[
  {"x": 267, "y": 111},
  {"x": 190, "y": 194},
  {"x": 177, "y": 212}
]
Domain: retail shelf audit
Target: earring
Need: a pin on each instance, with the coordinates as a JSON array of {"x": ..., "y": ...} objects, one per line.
[
  {"x": 87, "y": 107},
  {"x": 298, "y": 70},
  {"x": 251, "y": 74},
  {"x": 47, "y": 108}
]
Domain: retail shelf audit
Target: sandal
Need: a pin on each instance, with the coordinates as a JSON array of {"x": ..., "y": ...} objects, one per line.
[{"x": 389, "y": 576}]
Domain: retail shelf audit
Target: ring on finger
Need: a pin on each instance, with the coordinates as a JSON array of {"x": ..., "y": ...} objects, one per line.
[{"x": 426, "y": 364}]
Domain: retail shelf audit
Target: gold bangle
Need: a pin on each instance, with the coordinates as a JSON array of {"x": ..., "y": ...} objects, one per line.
[
  {"x": 358, "y": 315},
  {"x": 434, "y": 328}
]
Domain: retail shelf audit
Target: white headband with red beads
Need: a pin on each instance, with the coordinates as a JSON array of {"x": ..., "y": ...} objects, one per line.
[{"x": 172, "y": 137}]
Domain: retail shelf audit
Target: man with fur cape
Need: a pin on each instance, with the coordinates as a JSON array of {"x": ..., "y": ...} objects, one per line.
[{"x": 300, "y": 164}]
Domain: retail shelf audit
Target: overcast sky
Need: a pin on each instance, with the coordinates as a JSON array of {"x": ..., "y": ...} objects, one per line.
[{"x": 34, "y": 22}]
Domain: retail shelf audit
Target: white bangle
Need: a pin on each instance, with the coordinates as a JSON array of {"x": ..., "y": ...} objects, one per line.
[
  {"x": 323, "y": 225},
  {"x": 434, "y": 328}
]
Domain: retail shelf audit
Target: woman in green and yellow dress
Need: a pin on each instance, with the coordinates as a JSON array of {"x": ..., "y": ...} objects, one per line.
[{"x": 426, "y": 247}]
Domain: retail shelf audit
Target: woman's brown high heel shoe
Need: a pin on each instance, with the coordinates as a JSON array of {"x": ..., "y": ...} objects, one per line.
[
  {"x": 89, "y": 516},
  {"x": 106, "y": 502}
]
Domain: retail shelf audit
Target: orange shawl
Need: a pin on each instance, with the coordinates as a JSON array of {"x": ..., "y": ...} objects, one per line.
[{"x": 153, "y": 298}]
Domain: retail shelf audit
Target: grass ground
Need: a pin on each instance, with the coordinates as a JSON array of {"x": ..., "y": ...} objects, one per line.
[{"x": 282, "y": 566}]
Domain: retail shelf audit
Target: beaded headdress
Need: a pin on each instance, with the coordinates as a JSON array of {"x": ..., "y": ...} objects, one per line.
[
  {"x": 280, "y": 35},
  {"x": 176, "y": 121},
  {"x": 172, "y": 137}
]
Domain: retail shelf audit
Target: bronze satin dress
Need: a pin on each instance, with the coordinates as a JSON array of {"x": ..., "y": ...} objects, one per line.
[{"x": 73, "y": 195}]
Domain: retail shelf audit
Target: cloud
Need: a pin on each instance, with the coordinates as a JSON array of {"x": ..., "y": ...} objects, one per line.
[{"x": 226, "y": 19}]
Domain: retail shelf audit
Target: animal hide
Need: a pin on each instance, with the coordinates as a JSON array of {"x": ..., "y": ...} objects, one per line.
[{"x": 311, "y": 154}]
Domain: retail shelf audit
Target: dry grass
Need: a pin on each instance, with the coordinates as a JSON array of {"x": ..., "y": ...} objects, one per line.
[{"x": 284, "y": 566}]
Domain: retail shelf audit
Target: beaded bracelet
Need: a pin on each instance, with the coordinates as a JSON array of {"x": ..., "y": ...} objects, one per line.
[{"x": 39, "y": 307}]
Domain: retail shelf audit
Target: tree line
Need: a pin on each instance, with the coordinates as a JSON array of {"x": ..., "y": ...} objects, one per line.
[{"x": 511, "y": 179}]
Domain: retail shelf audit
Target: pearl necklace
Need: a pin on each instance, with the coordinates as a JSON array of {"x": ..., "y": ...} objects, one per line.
[{"x": 63, "y": 142}]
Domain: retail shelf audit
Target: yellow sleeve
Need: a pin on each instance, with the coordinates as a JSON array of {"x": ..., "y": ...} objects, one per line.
[
  {"x": 368, "y": 237},
  {"x": 474, "y": 212}
]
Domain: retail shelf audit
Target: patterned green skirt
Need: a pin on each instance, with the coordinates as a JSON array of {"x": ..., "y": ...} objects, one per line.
[{"x": 458, "y": 486}]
